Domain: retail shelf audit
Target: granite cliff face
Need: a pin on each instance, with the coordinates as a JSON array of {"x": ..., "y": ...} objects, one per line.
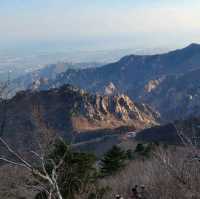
[
  {"x": 152, "y": 85},
  {"x": 110, "y": 89},
  {"x": 115, "y": 111}
]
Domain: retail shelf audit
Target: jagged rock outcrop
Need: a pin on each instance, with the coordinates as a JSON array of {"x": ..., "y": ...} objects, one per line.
[
  {"x": 111, "y": 89},
  {"x": 118, "y": 110},
  {"x": 153, "y": 84}
]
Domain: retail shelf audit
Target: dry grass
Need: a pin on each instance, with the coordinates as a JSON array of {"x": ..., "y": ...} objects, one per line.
[
  {"x": 12, "y": 183},
  {"x": 177, "y": 178},
  {"x": 82, "y": 124}
]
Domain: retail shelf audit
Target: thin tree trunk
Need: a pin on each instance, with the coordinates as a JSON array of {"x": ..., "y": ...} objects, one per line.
[{"x": 50, "y": 195}]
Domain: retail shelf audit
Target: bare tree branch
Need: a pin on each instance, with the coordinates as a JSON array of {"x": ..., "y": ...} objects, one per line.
[
  {"x": 14, "y": 153},
  {"x": 13, "y": 163}
]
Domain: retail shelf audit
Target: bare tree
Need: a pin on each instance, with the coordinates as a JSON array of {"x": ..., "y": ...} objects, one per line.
[
  {"x": 46, "y": 181},
  {"x": 184, "y": 164}
]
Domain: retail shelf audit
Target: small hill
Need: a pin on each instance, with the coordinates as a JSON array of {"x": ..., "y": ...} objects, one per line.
[{"x": 180, "y": 132}]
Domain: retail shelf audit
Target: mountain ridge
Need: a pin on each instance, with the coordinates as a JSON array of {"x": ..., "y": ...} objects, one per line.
[
  {"x": 68, "y": 112},
  {"x": 133, "y": 75}
]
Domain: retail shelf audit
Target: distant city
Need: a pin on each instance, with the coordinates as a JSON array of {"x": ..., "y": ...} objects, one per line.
[{"x": 19, "y": 63}]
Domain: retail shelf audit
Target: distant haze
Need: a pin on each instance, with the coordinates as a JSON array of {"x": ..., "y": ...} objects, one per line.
[{"x": 98, "y": 24}]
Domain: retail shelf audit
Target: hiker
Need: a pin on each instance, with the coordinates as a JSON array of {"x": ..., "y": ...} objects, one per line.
[
  {"x": 118, "y": 197},
  {"x": 134, "y": 194},
  {"x": 143, "y": 192}
]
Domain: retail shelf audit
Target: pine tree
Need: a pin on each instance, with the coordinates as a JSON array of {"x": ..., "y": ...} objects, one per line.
[
  {"x": 77, "y": 171},
  {"x": 140, "y": 148},
  {"x": 113, "y": 161}
]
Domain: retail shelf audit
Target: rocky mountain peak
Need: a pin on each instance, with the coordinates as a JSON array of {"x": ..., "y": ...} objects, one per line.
[
  {"x": 117, "y": 110},
  {"x": 110, "y": 89},
  {"x": 153, "y": 84}
]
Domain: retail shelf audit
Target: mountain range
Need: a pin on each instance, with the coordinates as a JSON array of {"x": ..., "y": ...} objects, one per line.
[
  {"x": 168, "y": 82},
  {"x": 114, "y": 98},
  {"x": 34, "y": 79}
]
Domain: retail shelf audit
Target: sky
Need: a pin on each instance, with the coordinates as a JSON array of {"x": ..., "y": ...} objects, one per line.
[{"x": 99, "y": 24}]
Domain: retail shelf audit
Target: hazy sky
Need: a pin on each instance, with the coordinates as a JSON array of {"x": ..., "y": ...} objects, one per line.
[{"x": 100, "y": 24}]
